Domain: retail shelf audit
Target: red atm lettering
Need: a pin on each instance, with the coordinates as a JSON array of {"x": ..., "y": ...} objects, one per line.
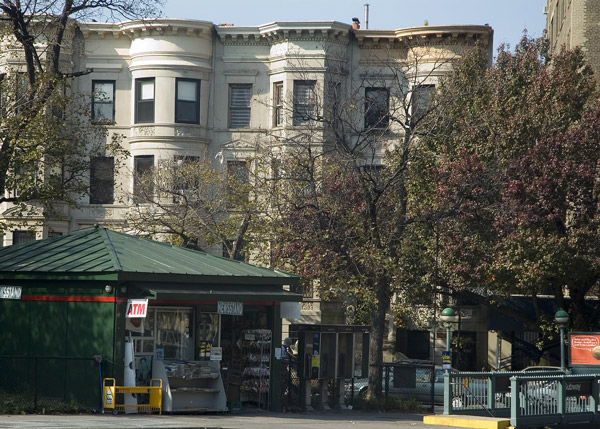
[{"x": 136, "y": 309}]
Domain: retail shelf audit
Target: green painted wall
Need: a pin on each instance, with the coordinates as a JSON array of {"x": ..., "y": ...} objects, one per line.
[{"x": 58, "y": 340}]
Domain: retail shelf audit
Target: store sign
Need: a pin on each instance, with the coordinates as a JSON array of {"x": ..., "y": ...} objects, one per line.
[
  {"x": 10, "y": 292},
  {"x": 136, "y": 308},
  {"x": 585, "y": 348},
  {"x": 230, "y": 308},
  {"x": 216, "y": 353}
]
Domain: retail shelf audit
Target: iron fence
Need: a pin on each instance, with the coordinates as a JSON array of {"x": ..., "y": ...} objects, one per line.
[
  {"x": 53, "y": 378},
  {"x": 542, "y": 398}
]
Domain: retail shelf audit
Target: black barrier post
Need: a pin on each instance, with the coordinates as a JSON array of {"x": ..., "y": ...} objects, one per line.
[
  {"x": 432, "y": 384},
  {"x": 35, "y": 382}
]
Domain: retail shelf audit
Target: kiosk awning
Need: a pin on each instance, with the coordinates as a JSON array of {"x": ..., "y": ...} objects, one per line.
[{"x": 221, "y": 292}]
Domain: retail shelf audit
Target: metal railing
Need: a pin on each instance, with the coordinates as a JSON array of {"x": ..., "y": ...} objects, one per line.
[
  {"x": 53, "y": 378},
  {"x": 542, "y": 398}
]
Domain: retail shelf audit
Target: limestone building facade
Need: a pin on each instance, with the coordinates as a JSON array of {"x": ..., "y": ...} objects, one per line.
[{"x": 186, "y": 88}]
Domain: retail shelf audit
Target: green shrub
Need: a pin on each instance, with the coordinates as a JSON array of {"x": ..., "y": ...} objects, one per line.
[
  {"x": 24, "y": 403},
  {"x": 390, "y": 404}
]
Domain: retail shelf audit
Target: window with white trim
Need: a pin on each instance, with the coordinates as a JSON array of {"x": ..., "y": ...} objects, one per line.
[
  {"x": 103, "y": 100},
  {"x": 187, "y": 101},
  {"x": 144, "y": 100},
  {"x": 239, "y": 105}
]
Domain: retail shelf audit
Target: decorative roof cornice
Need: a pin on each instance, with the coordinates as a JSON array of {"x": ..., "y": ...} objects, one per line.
[
  {"x": 274, "y": 32},
  {"x": 143, "y": 28},
  {"x": 426, "y": 34}
]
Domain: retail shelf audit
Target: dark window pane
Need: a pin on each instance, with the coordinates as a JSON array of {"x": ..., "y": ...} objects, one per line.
[
  {"x": 102, "y": 180},
  {"x": 142, "y": 181},
  {"x": 103, "y": 101},
  {"x": 20, "y": 237},
  {"x": 277, "y": 104},
  {"x": 421, "y": 98},
  {"x": 304, "y": 101},
  {"x": 187, "y": 101},
  {"x": 377, "y": 104},
  {"x": 186, "y": 181},
  {"x": 238, "y": 177},
  {"x": 144, "y": 97}
]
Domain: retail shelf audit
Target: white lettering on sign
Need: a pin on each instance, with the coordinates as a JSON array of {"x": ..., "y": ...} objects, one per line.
[
  {"x": 230, "y": 308},
  {"x": 10, "y": 292},
  {"x": 136, "y": 308}
]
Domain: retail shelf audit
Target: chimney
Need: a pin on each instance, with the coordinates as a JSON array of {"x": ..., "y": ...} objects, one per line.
[
  {"x": 355, "y": 24},
  {"x": 366, "y": 16}
]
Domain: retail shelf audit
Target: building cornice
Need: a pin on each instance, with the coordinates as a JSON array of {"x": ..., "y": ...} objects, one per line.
[
  {"x": 275, "y": 32},
  {"x": 146, "y": 28},
  {"x": 425, "y": 34}
]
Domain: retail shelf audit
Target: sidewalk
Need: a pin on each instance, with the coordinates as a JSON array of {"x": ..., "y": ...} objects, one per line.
[{"x": 246, "y": 420}]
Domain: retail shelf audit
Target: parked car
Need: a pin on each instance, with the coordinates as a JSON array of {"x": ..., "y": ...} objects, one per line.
[
  {"x": 543, "y": 394},
  {"x": 404, "y": 386}
]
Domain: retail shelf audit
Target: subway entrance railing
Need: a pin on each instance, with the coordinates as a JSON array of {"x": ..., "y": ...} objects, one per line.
[{"x": 541, "y": 397}]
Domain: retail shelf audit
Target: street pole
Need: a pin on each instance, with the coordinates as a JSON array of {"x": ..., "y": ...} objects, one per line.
[
  {"x": 562, "y": 318},
  {"x": 562, "y": 347},
  {"x": 448, "y": 337}
]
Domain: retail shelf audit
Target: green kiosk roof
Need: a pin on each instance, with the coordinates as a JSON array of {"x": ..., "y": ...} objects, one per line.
[{"x": 101, "y": 254}]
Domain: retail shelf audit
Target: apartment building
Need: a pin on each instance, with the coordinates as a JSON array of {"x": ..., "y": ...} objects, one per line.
[
  {"x": 185, "y": 88},
  {"x": 571, "y": 23}
]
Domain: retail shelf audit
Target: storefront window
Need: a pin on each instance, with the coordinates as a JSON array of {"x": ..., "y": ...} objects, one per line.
[
  {"x": 165, "y": 332},
  {"x": 173, "y": 333},
  {"x": 207, "y": 334}
]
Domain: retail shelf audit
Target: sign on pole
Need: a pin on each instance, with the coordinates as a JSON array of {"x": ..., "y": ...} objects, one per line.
[{"x": 446, "y": 360}]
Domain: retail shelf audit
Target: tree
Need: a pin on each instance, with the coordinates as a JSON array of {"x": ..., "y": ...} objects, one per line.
[
  {"x": 517, "y": 164},
  {"x": 198, "y": 205},
  {"x": 342, "y": 186},
  {"x": 46, "y": 137}
]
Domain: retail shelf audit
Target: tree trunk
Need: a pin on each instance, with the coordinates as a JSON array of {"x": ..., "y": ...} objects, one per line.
[{"x": 377, "y": 314}]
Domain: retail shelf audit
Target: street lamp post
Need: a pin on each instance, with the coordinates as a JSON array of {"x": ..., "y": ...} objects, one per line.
[
  {"x": 562, "y": 318},
  {"x": 448, "y": 316}
]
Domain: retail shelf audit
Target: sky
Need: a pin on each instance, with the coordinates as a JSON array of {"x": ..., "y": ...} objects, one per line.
[{"x": 508, "y": 18}]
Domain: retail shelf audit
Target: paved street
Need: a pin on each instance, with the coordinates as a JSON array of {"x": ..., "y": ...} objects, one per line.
[{"x": 246, "y": 420}]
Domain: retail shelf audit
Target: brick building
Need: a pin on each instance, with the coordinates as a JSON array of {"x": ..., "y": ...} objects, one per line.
[{"x": 572, "y": 23}]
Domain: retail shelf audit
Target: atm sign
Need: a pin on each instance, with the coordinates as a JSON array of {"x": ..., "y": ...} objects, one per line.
[{"x": 136, "y": 308}]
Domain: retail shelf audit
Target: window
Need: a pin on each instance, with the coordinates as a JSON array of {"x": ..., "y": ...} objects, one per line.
[
  {"x": 238, "y": 177},
  {"x": 239, "y": 105},
  {"x": 144, "y": 100},
  {"x": 277, "y": 104},
  {"x": 103, "y": 100},
  {"x": 166, "y": 331},
  {"x": 26, "y": 177},
  {"x": 377, "y": 105},
  {"x": 185, "y": 177},
  {"x": 102, "y": 180},
  {"x": 420, "y": 103},
  {"x": 187, "y": 101},
  {"x": 20, "y": 237},
  {"x": 304, "y": 101},
  {"x": 142, "y": 182}
]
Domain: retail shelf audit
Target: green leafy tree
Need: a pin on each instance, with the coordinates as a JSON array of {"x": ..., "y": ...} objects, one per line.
[
  {"x": 46, "y": 137},
  {"x": 195, "y": 204},
  {"x": 516, "y": 156},
  {"x": 343, "y": 188}
]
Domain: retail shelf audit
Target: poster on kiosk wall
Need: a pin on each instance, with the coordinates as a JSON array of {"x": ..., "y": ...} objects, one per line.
[{"x": 584, "y": 348}]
